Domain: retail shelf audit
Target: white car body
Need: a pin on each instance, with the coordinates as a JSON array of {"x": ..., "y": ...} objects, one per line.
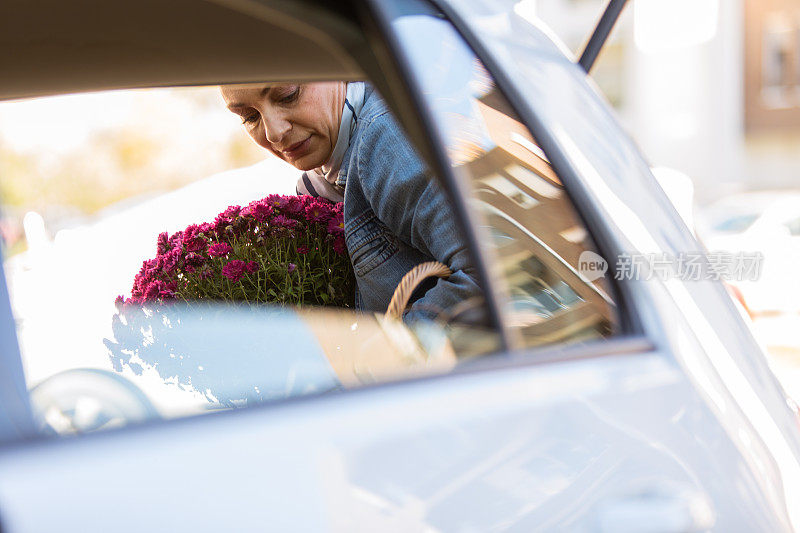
[{"x": 676, "y": 425}]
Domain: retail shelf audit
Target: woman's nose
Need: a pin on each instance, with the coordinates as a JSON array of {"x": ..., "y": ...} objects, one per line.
[{"x": 275, "y": 128}]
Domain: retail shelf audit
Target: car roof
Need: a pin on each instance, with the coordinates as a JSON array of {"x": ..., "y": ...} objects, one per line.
[{"x": 55, "y": 47}]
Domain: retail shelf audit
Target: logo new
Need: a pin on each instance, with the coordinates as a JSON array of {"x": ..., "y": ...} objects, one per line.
[{"x": 592, "y": 266}]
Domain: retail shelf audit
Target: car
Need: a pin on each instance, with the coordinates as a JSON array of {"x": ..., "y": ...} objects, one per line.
[
  {"x": 593, "y": 399},
  {"x": 765, "y": 222}
]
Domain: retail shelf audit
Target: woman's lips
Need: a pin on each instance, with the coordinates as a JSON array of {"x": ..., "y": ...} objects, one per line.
[{"x": 298, "y": 149}]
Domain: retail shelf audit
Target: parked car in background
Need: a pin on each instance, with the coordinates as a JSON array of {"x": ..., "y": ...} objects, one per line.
[
  {"x": 766, "y": 222},
  {"x": 592, "y": 401}
]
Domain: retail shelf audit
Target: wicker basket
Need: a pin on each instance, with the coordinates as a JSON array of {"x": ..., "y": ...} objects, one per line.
[{"x": 410, "y": 282}]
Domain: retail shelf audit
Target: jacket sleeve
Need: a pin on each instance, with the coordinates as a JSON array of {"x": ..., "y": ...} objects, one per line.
[{"x": 410, "y": 202}]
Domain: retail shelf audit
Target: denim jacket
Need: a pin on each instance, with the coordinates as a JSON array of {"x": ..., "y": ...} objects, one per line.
[{"x": 396, "y": 216}]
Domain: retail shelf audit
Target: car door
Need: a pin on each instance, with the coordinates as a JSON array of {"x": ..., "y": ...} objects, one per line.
[
  {"x": 582, "y": 420},
  {"x": 507, "y": 47}
]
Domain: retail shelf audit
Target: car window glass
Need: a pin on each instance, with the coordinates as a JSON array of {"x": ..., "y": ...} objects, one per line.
[
  {"x": 554, "y": 290},
  {"x": 85, "y": 204}
]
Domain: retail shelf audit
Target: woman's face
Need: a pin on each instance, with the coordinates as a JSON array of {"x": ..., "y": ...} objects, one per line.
[{"x": 298, "y": 123}]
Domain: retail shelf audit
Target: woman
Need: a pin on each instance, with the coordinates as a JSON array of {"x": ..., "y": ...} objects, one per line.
[{"x": 350, "y": 147}]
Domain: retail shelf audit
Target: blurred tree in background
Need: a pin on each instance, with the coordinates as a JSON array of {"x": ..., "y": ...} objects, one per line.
[{"x": 68, "y": 158}]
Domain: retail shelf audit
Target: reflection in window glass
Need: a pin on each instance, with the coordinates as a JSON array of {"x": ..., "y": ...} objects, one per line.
[
  {"x": 531, "y": 229},
  {"x": 84, "y": 208}
]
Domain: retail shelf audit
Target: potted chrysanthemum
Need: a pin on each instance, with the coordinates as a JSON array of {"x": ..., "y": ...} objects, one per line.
[{"x": 286, "y": 250}]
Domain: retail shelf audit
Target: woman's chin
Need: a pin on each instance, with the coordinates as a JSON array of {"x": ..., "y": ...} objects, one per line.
[{"x": 307, "y": 162}]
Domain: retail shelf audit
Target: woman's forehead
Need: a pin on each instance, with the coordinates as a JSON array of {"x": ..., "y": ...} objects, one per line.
[{"x": 241, "y": 94}]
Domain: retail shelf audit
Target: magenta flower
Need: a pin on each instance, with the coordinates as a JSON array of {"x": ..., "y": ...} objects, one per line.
[
  {"x": 231, "y": 213},
  {"x": 219, "y": 249},
  {"x": 293, "y": 206},
  {"x": 190, "y": 232},
  {"x": 336, "y": 224},
  {"x": 162, "y": 244},
  {"x": 318, "y": 212},
  {"x": 339, "y": 245},
  {"x": 176, "y": 240},
  {"x": 171, "y": 260},
  {"x": 152, "y": 290},
  {"x": 234, "y": 270},
  {"x": 225, "y": 219},
  {"x": 269, "y": 235},
  {"x": 260, "y": 210},
  {"x": 275, "y": 200},
  {"x": 194, "y": 259},
  {"x": 281, "y": 221},
  {"x": 195, "y": 244}
]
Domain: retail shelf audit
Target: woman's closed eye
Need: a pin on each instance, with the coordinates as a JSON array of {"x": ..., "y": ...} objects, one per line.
[
  {"x": 251, "y": 118},
  {"x": 287, "y": 95}
]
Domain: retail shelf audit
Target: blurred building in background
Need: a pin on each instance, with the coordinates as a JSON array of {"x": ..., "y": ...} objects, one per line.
[{"x": 708, "y": 87}]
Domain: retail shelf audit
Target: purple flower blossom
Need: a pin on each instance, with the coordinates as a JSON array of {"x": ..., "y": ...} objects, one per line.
[
  {"x": 171, "y": 260},
  {"x": 275, "y": 200},
  {"x": 318, "y": 212},
  {"x": 339, "y": 245},
  {"x": 281, "y": 221},
  {"x": 260, "y": 210},
  {"x": 194, "y": 259},
  {"x": 231, "y": 213},
  {"x": 176, "y": 240},
  {"x": 234, "y": 270},
  {"x": 336, "y": 224},
  {"x": 219, "y": 249},
  {"x": 162, "y": 244},
  {"x": 190, "y": 232},
  {"x": 293, "y": 205},
  {"x": 152, "y": 290},
  {"x": 259, "y": 231},
  {"x": 225, "y": 218},
  {"x": 195, "y": 244}
]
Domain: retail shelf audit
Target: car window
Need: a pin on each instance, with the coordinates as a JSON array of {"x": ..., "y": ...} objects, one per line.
[
  {"x": 120, "y": 183},
  {"x": 134, "y": 222},
  {"x": 553, "y": 281}
]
